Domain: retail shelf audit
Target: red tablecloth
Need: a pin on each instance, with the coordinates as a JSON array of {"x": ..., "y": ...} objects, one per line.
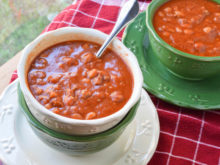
[{"x": 187, "y": 137}]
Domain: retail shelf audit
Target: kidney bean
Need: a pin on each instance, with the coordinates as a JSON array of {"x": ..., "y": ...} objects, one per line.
[
  {"x": 117, "y": 96},
  {"x": 85, "y": 46},
  {"x": 49, "y": 89},
  {"x": 86, "y": 58},
  {"x": 53, "y": 94},
  {"x": 92, "y": 73},
  {"x": 84, "y": 72},
  {"x": 84, "y": 93},
  {"x": 66, "y": 112},
  {"x": 200, "y": 47},
  {"x": 56, "y": 110},
  {"x": 70, "y": 92},
  {"x": 48, "y": 106},
  {"x": 57, "y": 102},
  {"x": 192, "y": 20},
  {"x": 188, "y": 31},
  {"x": 166, "y": 19},
  {"x": 37, "y": 74},
  {"x": 161, "y": 14},
  {"x": 71, "y": 76},
  {"x": 160, "y": 29},
  {"x": 122, "y": 83},
  {"x": 69, "y": 100},
  {"x": 76, "y": 116},
  {"x": 169, "y": 15},
  {"x": 73, "y": 109},
  {"x": 86, "y": 81},
  {"x": 64, "y": 51},
  {"x": 168, "y": 9},
  {"x": 98, "y": 80},
  {"x": 166, "y": 34},
  {"x": 164, "y": 27},
  {"x": 40, "y": 63},
  {"x": 186, "y": 25},
  {"x": 217, "y": 14},
  {"x": 54, "y": 78},
  {"x": 207, "y": 29},
  {"x": 45, "y": 54},
  {"x": 106, "y": 76},
  {"x": 182, "y": 21},
  {"x": 69, "y": 61},
  {"x": 99, "y": 94},
  {"x": 179, "y": 30},
  {"x": 90, "y": 115},
  {"x": 113, "y": 77},
  {"x": 61, "y": 66},
  {"x": 217, "y": 18},
  {"x": 212, "y": 34},
  {"x": 178, "y": 14},
  {"x": 43, "y": 99},
  {"x": 37, "y": 90},
  {"x": 172, "y": 39},
  {"x": 40, "y": 82},
  {"x": 206, "y": 12},
  {"x": 216, "y": 49}
]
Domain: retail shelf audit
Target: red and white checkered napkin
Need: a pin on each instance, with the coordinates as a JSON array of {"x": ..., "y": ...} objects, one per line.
[{"x": 187, "y": 137}]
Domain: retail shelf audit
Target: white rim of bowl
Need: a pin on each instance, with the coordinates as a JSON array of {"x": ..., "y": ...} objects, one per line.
[{"x": 135, "y": 69}]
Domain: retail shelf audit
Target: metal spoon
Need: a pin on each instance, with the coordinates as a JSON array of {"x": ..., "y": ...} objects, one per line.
[{"x": 128, "y": 12}]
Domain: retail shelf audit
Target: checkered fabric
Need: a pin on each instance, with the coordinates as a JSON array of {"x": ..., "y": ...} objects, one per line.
[{"x": 187, "y": 137}]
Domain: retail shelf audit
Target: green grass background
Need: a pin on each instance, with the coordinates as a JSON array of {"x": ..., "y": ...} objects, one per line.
[{"x": 22, "y": 21}]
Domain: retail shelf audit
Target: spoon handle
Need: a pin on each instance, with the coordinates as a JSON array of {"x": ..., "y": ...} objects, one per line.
[{"x": 128, "y": 12}]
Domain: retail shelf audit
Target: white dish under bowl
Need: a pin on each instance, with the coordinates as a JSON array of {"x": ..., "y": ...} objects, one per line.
[
  {"x": 19, "y": 145},
  {"x": 67, "y": 125}
]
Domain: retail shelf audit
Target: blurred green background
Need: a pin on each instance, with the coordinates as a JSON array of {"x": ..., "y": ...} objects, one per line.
[{"x": 24, "y": 20}]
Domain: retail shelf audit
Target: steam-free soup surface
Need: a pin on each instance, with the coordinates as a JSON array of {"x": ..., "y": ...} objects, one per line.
[
  {"x": 70, "y": 81},
  {"x": 192, "y": 26}
]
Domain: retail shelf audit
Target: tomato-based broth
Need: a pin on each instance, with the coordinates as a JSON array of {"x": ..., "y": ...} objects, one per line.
[
  {"x": 192, "y": 26},
  {"x": 70, "y": 81}
]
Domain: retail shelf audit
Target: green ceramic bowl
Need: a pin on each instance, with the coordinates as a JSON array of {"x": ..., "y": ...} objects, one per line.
[
  {"x": 179, "y": 63},
  {"x": 75, "y": 145}
]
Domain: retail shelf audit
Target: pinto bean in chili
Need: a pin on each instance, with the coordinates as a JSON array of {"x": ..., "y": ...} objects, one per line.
[
  {"x": 70, "y": 81},
  {"x": 192, "y": 26}
]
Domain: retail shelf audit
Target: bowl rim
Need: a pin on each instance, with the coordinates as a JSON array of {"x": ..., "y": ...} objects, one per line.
[
  {"x": 137, "y": 80},
  {"x": 85, "y": 138},
  {"x": 149, "y": 12}
]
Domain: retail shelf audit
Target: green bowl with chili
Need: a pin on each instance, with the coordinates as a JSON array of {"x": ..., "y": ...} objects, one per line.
[
  {"x": 181, "y": 64},
  {"x": 71, "y": 144}
]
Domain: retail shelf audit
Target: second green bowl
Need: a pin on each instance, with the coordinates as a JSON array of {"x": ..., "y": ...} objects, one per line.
[{"x": 179, "y": 63}]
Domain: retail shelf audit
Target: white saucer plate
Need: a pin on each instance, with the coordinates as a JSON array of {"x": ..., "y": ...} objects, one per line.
[{"x": 20, "y": 146}]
